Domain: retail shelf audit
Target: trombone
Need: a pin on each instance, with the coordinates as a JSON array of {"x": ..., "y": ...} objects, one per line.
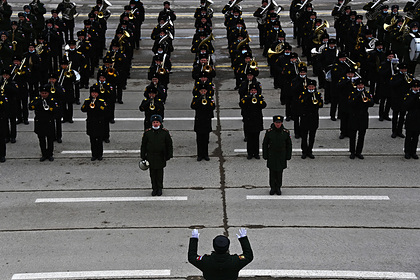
[
  {"x": 253, "y": 64},
  {"x": 45, "y": 105},
  {"x": 92, "y": 103},
  {"x": 407, "y": 78},
  {"x": 52, "y": 88},
  {"x": 3, "y": 85},
  {"x": 68, "y": 73},
  {"x": 152, "y": 104},
  {"x": 204, "y": 100}
]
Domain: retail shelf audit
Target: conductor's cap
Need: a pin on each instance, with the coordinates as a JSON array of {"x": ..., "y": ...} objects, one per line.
[{"x": 221, "y": 244}]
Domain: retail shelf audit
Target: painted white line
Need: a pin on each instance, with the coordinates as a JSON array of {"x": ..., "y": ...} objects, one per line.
[
  {"x": 110, "y": 274},
  {"x": 105, "y": 152},
  {"x": 109, "y": 199},
  {"x": 192, "y": 118},
  {"x": 241, "y": 151},
  {"x": 318, "y": 197},
  {"x": 328, "y": 274}
]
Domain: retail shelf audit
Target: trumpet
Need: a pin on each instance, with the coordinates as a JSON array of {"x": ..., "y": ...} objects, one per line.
[
  {"x": 52, "y": 88},
  {"x": 45, "y": 105},
  {"x": 102, "y": 90},
  {"x": 152, "y": 104},
  {"x": 92, "y": 103},
  {"x": 161, "y": 70},
  {"x": 253, "y": 64},
  {"x": 314, "y": 99},
  {"x": 254, "y": 100},
  {"x": 364, "y": 97},
  {"x": 204, "y": 100}
]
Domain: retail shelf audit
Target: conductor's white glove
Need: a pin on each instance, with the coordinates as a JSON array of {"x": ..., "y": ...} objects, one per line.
[
  {"x": 195, "y": 234},
  {"x": 242, "y": 233}
]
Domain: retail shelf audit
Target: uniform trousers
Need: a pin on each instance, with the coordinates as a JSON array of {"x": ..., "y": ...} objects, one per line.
[
  {"x": 22, "y": 104},
  {"x": 96, "y": 146},
  {"x": 344, "y": 122},
  {"x": 156, "y": 176},
  {"x": 296, "y": 124},
  {"x": 46, "y": 143},
  {"x": 67, "y": 110},
  {"x": 2, "y": 146},
  {"x": 252, "y": 143},
  {"x": 202, "y": 140},
  {"x": 384, "y": 106},
  {"x": 398, "y": 118},
  {"x": 58, "y": 127},
  {"x": 305, "y": 146},
  {"x": 276, "y": 179},
  {"x": 411, "y": 141},
  {"x": 357, "y": 148}
]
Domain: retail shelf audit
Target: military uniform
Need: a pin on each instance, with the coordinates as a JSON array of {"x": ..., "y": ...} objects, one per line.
[
  {"x": 151, "y": 106},
  {"x": 412, "y": 124},
  {"x": 95, "y": 122},
  {"x": 220, "y": 265},
  {"x": 45, "y": 110},
  {"x": 277, "y": 150},
  {"x": 4, "y": 107},
  {"x": 156, "y": 148}
]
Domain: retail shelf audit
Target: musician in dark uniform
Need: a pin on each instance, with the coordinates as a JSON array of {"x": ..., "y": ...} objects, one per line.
[
  {"x": 338, "y": 71},
  {"x": 277, "y": 150},
  {"x": 252, "y": 105},
  {"x": 19, "y": 101},
  {"x": 10, "y": 92},
  {"x": 157, "y": 149},
  {"x": 412, "y": 123},
  {"x": 33, "y": 62},
  {"x": 345, "y": 87},
  {"x": 151, "y": 106},
  {"x": 414, "y": 33},
  {"x": 66, "y": 79},
  {"x": 220, "y": 264},
  {"x": 261, "y": 15},
  {"x": 203, "y": 66},
  {"x": 386, "y": 70},
  {"x": 95, "y": 122},
  {"x": 373, "y": 61},
  {"x": 137, "y": 9},
  {"x": 400, "y": 83},
  {"x": 5, "y": 14},
  {"x": 298, "y": 85},
  {"x": 327, "y": 58},
  {"x": 310, "y": 100},
  {"x": 4, "y": 107},
  {"x": 59, "y": 94},
  {"x": 204, "y": 105},
  {"x": 359, "y": 102},
  {"x": 45, "y": 108},
  {"x": 289, "y": 72},
  {"x": 68, "y": 12}
]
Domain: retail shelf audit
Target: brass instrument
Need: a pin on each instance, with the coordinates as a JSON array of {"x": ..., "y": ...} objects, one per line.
[
  {"x": 19, "y": 71},
  {"x": 243, "y": 42},
  {"x": 92, "y": 103},
  {"x": 121, "y": 39},
  {"x": 204, "y": 100},
  {"x": 207, "y": 68},
  {"x": 254, "y": 100},
  {"x": 39, "y": 48},
  {"x": 208, "y": 39},
  {"x": 388, "y": 27},
  {"x": 277, "y": 50},
  {"x": 131, "y": 14},
  {"x": 314, "y": 99},
  {"x": 68, "y": 73},
  {"x": 253, "y": 64},
  {"x": 305, "y": 83},
  {"x": 161, "y": 70},
  {"x": 52, "y": 88},
  {"x": 343, "y": 5},
  {"x": 405, "y": 29},
  {"x": 355, "y": 65},
  {"x": 301, "y": 63},
  {"x": 101, "y": 15},
  {"x": 102, "y": 90},
  {"x": 301, "y": 8},
  {"x": 45, "y": 105},
  {"x": 152, "y": 104},
  {"x": 3, "y": 86},
  {"x": 373, "y": 9},
  {"x": 407, "y": 78},
  {"x": 235, "y": 2},
  {"x": 364, "y": 97},
  {"x": 319, "y": 31}
]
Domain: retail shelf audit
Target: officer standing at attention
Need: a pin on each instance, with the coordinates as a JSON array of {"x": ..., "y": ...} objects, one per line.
[
  {"x": 277, "y": 150},
  {"x": 156, "y": 148},
  {"x": 220, "y": 264}
]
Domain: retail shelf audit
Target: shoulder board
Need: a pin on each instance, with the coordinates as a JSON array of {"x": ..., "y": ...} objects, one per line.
[
  {"x": 165, "y": 129},
  {"x": 241, "y": 257},
  {"x": 101, "y": 100},
  {"x": 79, "y": 52},
  {"x": 286, "y": 130},
  {"x": 52, "y": 98},
  {"x": 86, "y": 99},
  {"x": 270, "y": 129},
  {"x": 147, "y": 130},
  {"x": 195, "y": 96}
]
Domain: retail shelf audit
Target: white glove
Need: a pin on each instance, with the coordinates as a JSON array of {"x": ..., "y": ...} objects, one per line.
[
  {"x": 242, "y": 233},
  {"x": 195, "y": 234}
]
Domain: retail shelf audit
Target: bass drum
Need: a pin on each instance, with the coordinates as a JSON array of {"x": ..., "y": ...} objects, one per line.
[{"x": 414, "y": 49}]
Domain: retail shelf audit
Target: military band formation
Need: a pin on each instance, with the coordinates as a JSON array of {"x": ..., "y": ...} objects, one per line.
[{"x": 44, "y": 67}]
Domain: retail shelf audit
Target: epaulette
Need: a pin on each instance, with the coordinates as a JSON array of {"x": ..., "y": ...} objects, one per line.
[
  {"x": 165, "y": 129},
  {"x": 86, "y": 99},
  {"x": 147, "y": 130},
  {"x": 101, "y": 100},
  {"x": 286, "y": 130},
  {"x": 79, "y": 52},
  {"x": 270, "y": 129}
]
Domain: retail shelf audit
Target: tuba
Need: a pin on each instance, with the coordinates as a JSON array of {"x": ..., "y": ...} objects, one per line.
[
  {"x": 243, "y": 42},
  {"x": 206, "y": 40},
  {"x": 319, "y": 31}
]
